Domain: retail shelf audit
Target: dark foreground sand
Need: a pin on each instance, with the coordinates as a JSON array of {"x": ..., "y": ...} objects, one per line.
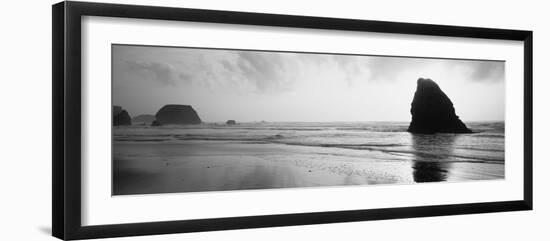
[{"x": 146, "y": 168}]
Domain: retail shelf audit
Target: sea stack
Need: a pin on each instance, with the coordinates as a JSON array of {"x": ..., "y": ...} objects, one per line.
[
  {"x": 433, "y": 112},
  {"x": 177, "y": 115},
  {"x": 121, "y": 117}
]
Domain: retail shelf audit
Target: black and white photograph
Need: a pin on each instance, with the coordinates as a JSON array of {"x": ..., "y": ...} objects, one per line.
[
  {"x": 275, "y": 120},
  {"x": 202, "y": 119}
]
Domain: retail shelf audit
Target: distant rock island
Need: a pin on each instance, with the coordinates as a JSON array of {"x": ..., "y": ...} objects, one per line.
[
  {"x": 155, "y": 123},
  {"x": 433, "y": 112},
  {"x": 230, "y": 122},
  {"x": 143, "y": 119},
  {"x": 176, "y": 115},
  {"x": 121, "y": 117}
]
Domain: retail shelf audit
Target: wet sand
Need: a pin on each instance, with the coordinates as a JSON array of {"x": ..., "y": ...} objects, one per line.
[{"x": 194, "y": 166}]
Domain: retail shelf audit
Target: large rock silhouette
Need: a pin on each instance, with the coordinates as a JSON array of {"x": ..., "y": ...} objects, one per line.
[
  {"x": 121, "y": 117},
  {"x": 433, "y": 112},
  {"x": 177, "y": 115}
]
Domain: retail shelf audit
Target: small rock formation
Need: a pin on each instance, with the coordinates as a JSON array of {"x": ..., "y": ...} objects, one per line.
[
  {"x": 121, "y": 117},
  {"x": 433, "y": 112},
  {"x": 230, "y": 122},
  {"x": 143, "y": 119},
  {"x": 155, "y": 123},
  {"x": 177, "y": 115}
]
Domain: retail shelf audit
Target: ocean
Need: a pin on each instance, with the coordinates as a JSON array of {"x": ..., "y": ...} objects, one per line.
[{"x": 260, "y": 155}]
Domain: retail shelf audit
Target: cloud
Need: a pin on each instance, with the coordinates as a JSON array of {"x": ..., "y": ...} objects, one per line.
[
  {"x": 351, "y": 67},
  {"x": 262, "y": 72},
  {"x": 277, "y": 72},
  {"x": 162, "y": 73},
  {"x": 185, "y": 77},
  {"x": 486, "y": 71},
  {"x": 255, "y": 84},
  {"x": 390, "y": 68},
  {"x": 268, "y": 72},
  {"x": 227, "y": 65}
]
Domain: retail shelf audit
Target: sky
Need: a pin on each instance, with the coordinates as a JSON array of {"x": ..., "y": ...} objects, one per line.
[{"x": 249, "y": 85}]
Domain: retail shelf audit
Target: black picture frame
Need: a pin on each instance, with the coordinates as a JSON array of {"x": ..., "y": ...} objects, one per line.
[{"x": 66, "y": 127}]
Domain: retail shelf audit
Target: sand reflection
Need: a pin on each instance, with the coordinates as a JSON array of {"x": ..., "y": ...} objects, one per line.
[{"x": 431, "y": 161}]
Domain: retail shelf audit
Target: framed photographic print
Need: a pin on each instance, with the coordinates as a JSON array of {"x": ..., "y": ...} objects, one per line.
[{"x": 169, "y": 120}]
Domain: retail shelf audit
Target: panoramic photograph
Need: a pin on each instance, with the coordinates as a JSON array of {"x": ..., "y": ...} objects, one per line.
[{"x": 202, "y": 119}]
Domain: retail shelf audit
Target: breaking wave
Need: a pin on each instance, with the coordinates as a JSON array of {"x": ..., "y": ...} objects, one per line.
[{"x": 487, "y": 145}]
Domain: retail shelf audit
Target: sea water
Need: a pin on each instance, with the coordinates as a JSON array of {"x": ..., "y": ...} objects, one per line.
[{"x": 374, "y": 151}]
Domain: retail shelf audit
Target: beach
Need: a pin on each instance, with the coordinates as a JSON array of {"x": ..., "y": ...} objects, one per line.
[{"x": 213, "y": 157}]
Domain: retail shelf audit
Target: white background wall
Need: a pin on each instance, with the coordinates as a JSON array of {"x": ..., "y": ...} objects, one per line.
[{"x": 25, "y": 136}]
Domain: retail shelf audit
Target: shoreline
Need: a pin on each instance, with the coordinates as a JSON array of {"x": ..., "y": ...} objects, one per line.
[{"x": 146, "y": 168}]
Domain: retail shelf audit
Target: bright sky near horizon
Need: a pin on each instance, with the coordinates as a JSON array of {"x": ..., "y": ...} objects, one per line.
[{"x": 277, "y": 86}]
